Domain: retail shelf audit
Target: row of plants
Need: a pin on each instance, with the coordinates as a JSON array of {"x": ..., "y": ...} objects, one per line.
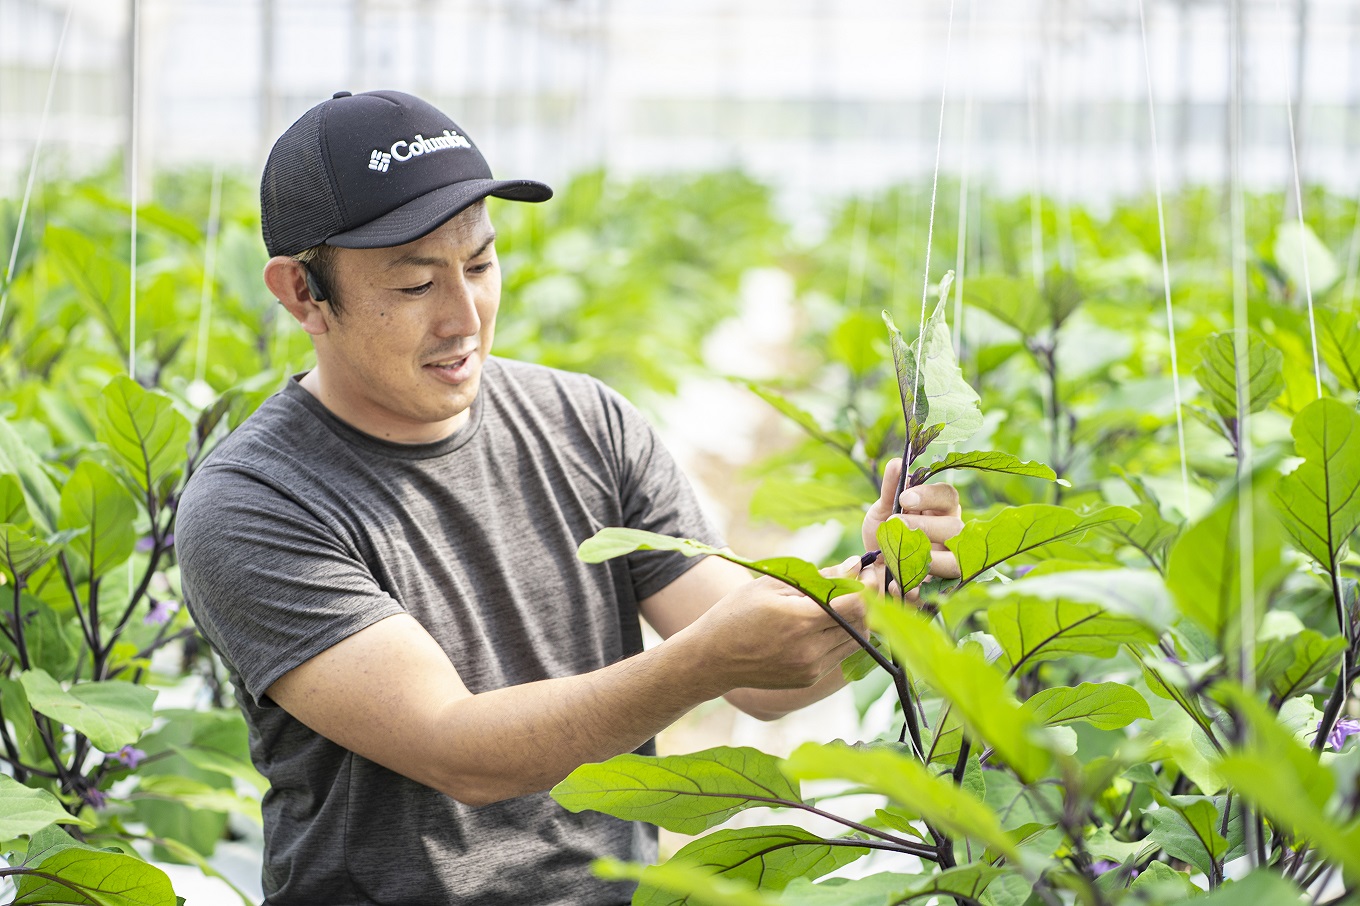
[{"x": 1014, "y": 768}]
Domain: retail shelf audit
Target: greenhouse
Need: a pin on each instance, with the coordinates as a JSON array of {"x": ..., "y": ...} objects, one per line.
[{"x": 848, "y": 453}]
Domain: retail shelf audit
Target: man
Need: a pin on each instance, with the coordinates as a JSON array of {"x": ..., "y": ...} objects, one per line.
[{"x": 384, "y": 553}]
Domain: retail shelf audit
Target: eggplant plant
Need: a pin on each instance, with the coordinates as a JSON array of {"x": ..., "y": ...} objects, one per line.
[{"x": 1123, "y": 722}]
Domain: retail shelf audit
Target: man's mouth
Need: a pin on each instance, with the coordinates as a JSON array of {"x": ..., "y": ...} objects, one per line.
[{"x": 453, "y": 369}]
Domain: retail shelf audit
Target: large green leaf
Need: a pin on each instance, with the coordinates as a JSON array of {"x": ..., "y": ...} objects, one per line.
[
  {"x": 910, "y": 381},
  {"x": 1017, "y": 805},
  {"x": 145, "y": 431},
  {"x": 1204, "y": 571},
  {"x": 1304, "y": 259},
  {"x": 951, "y": 401},
  {"x": 1031, "y": 630},
  {"x": 1217, "y": 374},
  {"x": 13, "y": 506},
  {"x": 906, "y": 782},
  {"x": 800, "y": 417},
  {"x": 682, "y": 793},
  {"x": 102, "y": 878},
  {"x": 1014, "y": 301},
  {"x": 609, "y": 543},
  {"x": 1107, "y": 706},
  {"x": 796, "y": 503},
  {"x": 985, "y": 543},
  {"x": 1285, "y": 780},
  {"x": 1263, "y": 887},
  {"x": 767, "y": 858},
  {"x": 1319, "y": 501},
  {"x": 1188, "y": 831},
  {"x": 988, "y": 461},
  {"x": 1290, "y": 665},
  {"x": 906, "y": 551},
  {"x": 27, "y": 811},
  {"x": 21, "y": 554},
  {"x": 975, "y": 688},
  {"x": 197, "y": 795},
  {"x": 111, "y": 713},
  {"x": 684, "y": 882},
  {"x": 18, "y": 459},
  {"x": 93, "y": 499},
  {"x": 887, "y": 889},
  {"x": 1339, "y": 337}
]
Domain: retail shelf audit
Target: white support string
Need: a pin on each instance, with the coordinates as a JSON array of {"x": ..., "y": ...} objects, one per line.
[
  {"x": 1298, "y": 199},
  {"x": 930, "y": 224},
  {"x": 961, "y": 256},
  {"x": 33, "y": 164},
  {"x": 1353, "y": 260},
  {"x": 133, "y": 189},
  {"x": 209, "y": 274},
  {"x": 1241, "y": 343},
  {"x": 1036, "y": 210},
  {"x": 1166, "y": 267}
]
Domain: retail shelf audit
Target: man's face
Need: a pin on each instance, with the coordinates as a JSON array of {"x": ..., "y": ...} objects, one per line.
[{"x": 403, "y": 359}]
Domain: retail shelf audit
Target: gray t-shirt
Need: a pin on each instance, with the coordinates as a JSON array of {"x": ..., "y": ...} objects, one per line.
[{"x": 300, "y": 531}]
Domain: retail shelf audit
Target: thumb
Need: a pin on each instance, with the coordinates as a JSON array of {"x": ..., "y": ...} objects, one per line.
[{"x": 883, "y": 506}]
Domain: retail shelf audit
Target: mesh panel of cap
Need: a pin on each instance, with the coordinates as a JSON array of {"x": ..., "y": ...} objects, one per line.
[{"x": 297, "y": 200}]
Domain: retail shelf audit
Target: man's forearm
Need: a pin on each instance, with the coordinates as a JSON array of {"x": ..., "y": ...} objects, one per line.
[
  {"x": 526, "y": 738},
  {"x": 772, "y": 704}
]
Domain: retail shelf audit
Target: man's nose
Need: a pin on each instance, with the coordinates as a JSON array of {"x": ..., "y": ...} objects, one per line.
[{"x": 458, "y": 316}]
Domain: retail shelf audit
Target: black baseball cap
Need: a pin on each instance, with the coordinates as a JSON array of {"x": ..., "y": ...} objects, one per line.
[{"x": 373, "y": 170}]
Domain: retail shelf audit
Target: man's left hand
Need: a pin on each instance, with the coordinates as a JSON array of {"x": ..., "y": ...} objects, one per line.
[{"x": 932, "y": 508}]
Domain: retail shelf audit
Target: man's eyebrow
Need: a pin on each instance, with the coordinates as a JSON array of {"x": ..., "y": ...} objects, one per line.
[{"x": 413, "y": 260}]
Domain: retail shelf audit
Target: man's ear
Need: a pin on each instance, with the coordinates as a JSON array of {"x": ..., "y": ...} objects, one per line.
[{"x": 287, "y": 280}]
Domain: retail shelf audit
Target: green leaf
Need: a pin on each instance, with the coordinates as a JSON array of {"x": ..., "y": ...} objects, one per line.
[
  {"x": 1107, "y": 706},
  {"x": 682, "y": 793},
  {"x": 953, "y": 403},
  {"x": 1031, "y": 630},
  {"x": 1319, "y": 502},
  {"x": 20, "y": 715},
  {"x": 796, "y": 503},
  {"x": 103, "y": 878},
  {"x": 145, "y": 431},
  {"x": 111, "y": 713},
  {"x": 685, "y": 883},
  {"x": 910, "y": 383},
  {"x": 800, "y": 417},
  {"x": 197, "y": 795},
  {"x": 906, "y": 782},
  {"x": 1290, "y": 665},
  {"x": 985, "y": 461},
  {"x": 1285, "y": 780},
  {"x": 94, "y": 499},
  {"x": 1017, "y": 805},
  {"x": 1188, "y": 832},
  {"x": 1217, "y": 374},
  {"x": 767, "y": 858},
  {"x": 18, "y": 459},
  {"x": 1140, "y": 594},
  {"x": 974, "y": 687},
  {"x": 887, "y": 889},
  {"x": 1014, "y": 301},
  {"x": 985, "y": 543},
  {"x": 26, "y": 811},
  {"x": 609, "y": 543},
  {"x": 1204, "y": 571},
  {"x": 1339, "y": 339},
  {"x": 906, "y": 551},
  {"x": 220, "y": 762},
  {"x": 1159, "y": 882},
  {"x": 22, "y": 554},
  {"x": 13, "y": 506},
  {"x": 1262, "y": 887},
  {"x": 1297, "y": 246},
  {"x": 860, "y": 664}
]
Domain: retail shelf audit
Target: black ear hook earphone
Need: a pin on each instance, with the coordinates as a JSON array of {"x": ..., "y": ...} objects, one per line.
[{"x": 313, "y": 285}]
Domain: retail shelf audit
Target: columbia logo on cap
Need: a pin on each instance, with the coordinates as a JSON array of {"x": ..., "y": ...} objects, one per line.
[{"x": 405, "y": 150}]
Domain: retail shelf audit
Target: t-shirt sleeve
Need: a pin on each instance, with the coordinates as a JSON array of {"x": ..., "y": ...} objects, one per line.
[
  {"x": 266, "y": 581},
  {"x": 656, "y": 497}
]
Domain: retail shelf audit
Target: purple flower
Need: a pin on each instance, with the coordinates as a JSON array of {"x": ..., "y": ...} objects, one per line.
[
  {"x": 129, "y": 756},
  {"x": 160, "y": 612},
  {"x": 1345, "y": 728},
  {"x": 94, "y": 797},
  {"x": 1100, "y": 866}
]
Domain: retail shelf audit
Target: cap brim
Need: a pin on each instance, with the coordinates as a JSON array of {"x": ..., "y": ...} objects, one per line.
[{"x": 433, "y": 209}]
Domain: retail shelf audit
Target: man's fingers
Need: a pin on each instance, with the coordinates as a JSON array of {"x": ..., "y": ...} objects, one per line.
[
  {"x": 938, "y": 529},
  {"x": 938, "y": 498},
  {"x": 944, "y": 565}
]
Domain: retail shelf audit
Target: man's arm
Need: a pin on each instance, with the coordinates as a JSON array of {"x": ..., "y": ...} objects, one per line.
[
  {"x": 933, "y": 508},
  {"x": 390, "y": 694}
]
